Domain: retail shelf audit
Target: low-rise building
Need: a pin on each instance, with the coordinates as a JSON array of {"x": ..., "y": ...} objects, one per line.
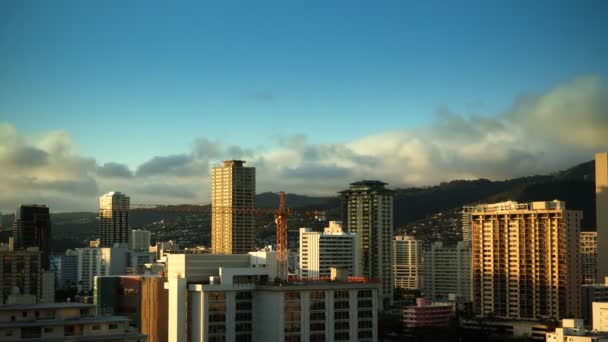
[
  {"x": 63, "y": 322},
  {"x": 425, "y": 314},
  {"x": 573, "y": 330}
]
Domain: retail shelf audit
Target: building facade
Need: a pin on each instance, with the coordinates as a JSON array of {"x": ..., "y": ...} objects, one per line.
[
  {"x": 113, "y": 219},
  {"x": 425, "y": 314},
  {"x": 232, "y": 187},
  {"x": 142, "y": 299},
  {"x": 63, "y": 322},
  {"x": 526, "y": 262},
  {"x": 140, "y": 240},
  {"x": 93, "y": 261},
  {"x": 367, "y": 209},
  {"x": 332, "y": 248},
  {"x": 447, "y": 271},
  {"x": 601, "y": 205},
  {"x": 20, "y": 269},
  {"x": 407, "y": 266},
  {"x": 593, "y": 293},
  {"x": 32, "y": 228},
  {"x": 588, "y": 251}
]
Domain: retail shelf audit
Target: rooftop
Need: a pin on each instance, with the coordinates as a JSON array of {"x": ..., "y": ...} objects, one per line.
[{"x": 22, "y": 307}]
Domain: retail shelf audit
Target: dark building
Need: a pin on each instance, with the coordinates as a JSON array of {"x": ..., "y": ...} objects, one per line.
[
  {"x": 367, "y": 210},
  {"x": 32, "y": 228},
  {"x": 114, "y": 219}
]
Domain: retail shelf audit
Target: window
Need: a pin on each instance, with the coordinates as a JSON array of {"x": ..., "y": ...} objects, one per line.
[
  {"x": 48, "y": 330},
  {"x": 96, "y": 327},
  {"x": 113, "y": 326}
]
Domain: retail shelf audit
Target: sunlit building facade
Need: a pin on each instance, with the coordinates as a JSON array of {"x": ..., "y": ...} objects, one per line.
[
  {"x": 526, "y": 262},
  {"x": 232, "y": 188},
  {"x": 407, "y": 266},
  {"x": 113, "y": 219},
  {"x": 601, "y": 204}
]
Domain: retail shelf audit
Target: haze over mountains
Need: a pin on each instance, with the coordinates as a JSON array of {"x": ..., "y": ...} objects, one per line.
[{"x": 574, "y": 185}]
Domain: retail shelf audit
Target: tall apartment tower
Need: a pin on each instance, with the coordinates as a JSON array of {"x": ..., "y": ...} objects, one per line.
[
  {"x": 113, "y": 219},
  {"x": 526, "y": 261},
  {"x": 332, "y": 248},
  {"x": 32, "y": 228},
  {"x": 466, "y": 222},
  {"x": 601, "y": 205},
  {"x": 407, "y": 266},
  {"x": 588, "y": 250},
  {"x": 140, "y": 240},
  {"x": 367, "y": 209},
  {"x": 447, "y": 271},
  {"x": 232, "y": 187}
]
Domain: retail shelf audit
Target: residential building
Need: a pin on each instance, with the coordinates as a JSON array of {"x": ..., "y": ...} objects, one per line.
[
  {"x": 20, "y": 269},
  {"x": 332, "y": 248},
  {"x": 368, "y": 212},
  {"x": 593, "y": 293},
  {"x": 138, "y": 260},
  {"x": 425, "y": 314},
  {"x": 32, "y": 228},
  {"x": 232, "y": 188},
  {"x": 447, "y": 271},
  {"x": 588, "y": 251},
  {"x": 63, "y": 322},
  {"x": 466, "y": 222},
  {"x": 142, "y": 299},
  {"x": 47, "y": 287},
  {"x": 113, "y": 219},
  {"x": 67, "y": 269},
  {"x": 140, "y": 240},
  {"x": 601, "y": 205},
  {"x": 407, "y": 262},
  {"x": 525, "y": 261},
  {"x": 93, "y": 261}
]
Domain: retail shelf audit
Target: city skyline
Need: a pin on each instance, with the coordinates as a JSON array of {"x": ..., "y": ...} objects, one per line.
[{"x": 335, "y": 95}]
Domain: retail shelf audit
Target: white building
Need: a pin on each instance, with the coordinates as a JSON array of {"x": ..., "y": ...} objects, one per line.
[
  {"x": 113, "y": 219},
  {"x": 447, "y": 270},
  {"x": 94, "y": 261},
  {"x": 140, "y": 240},
  {"x": 332, "y": 248},
  {"x": 573, "y": 330},
  {"x": 63, "y": 322},
  {"x": 239, "y": 303},
  {"x": 407, "y": 266}
]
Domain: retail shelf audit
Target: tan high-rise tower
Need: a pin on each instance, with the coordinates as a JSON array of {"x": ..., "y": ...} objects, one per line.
[
  {"x": 526, "y": 263},
  {"x": 232, "y": 186},
  {"x": 113, "y": 219},
  {"x": 601, "y": 205}
]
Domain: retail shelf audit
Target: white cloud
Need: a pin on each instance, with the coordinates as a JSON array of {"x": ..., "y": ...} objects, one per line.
[{"x": 542, "y": 133}]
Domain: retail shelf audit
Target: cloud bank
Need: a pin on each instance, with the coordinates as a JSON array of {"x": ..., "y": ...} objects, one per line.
[{"x": 540, "y": 133}]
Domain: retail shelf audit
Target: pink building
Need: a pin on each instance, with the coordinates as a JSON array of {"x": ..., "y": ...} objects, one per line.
[{"x": 424, "y": 314}]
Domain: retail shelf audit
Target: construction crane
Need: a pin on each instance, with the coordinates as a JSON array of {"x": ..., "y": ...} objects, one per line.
[{"x": 281, "y": 215}]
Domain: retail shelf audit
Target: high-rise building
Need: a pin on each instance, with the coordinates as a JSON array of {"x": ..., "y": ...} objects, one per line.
[
  {"x": 94, "y": 261},
  {"x": 332, "y": 248},
  {"x": 466, "y": 221},
  {"x": 367, "y": 209},
  {"x": 447, "y": 271},
  {"x": 588, "y": 250},
  {"x": 407, "y": 262},
  {"x": 601, "y": 205},
  {"x": 232, "y": 187},
  {"x": 32, "y": 228},
  {"x": 20, "y": 269},
  {"x": 113, "y": 219},
  {"x": 66, "y": 268},
  {"x": 140, "y": 240},
  {"x": 526, "y": 261}
]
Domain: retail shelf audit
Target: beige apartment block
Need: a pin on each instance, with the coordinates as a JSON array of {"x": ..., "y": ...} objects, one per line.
[
  {"x": 526, "y": 263},
  {"x": 232, "y": 188},
  {"x": 601, "y": 205},
  {"x": 407, "y": 266}
]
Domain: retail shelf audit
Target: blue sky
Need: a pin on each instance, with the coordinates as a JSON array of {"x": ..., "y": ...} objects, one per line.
[{"x": 131, "y": 80}]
